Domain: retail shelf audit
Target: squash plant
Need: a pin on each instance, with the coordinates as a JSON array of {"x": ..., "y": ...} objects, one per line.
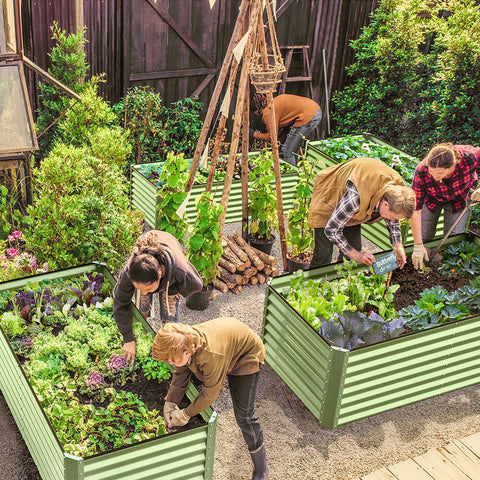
[
  {"x": 173, "y": 177},
  {"x": 262, "y": 197},
  {"x": 204, "y": 245},
  {"x": 63, "y": 333},
  {"x": 299, "y": 234}
]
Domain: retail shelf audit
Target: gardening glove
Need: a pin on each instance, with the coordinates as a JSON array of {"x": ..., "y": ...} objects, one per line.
[
  {"x": 475, "y": 197},
  {"x": 419, "y": 255},
  {"x": 178, "y": 418},
  {"x": 168, "y": 408}
]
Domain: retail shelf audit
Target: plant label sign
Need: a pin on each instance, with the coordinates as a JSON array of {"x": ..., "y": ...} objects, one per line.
[{"x": 385, "y": 264}]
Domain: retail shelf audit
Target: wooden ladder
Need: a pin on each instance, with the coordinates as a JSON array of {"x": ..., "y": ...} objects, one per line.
[{"x": 306, "y": 73}]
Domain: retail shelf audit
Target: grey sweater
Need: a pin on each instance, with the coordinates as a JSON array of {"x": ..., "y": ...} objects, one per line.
[{"x": 180, "y": 277}]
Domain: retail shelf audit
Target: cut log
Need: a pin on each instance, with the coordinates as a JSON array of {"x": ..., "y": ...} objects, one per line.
[
  {"x": 223, "y": 262},
  {"x": 236, "y": 249},
  {"x": 236, "y": 289},
  {"x": 254, "y": 280},
  {"x": 249, "y": 273},
  {"x": 230, "y": 255},
  {"x": 265, "y": 258},
  {"x": 261, "y": 278},
  {"x": 222, "y": 286},
  {"x": 249, "y": 251},
  {"x": 268, "y": 270},
  {"x": 228, "y": 277},
  {"x": 275, "y": 272}
]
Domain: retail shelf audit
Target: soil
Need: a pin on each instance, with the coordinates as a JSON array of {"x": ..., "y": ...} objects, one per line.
[{"x": 412, "y": 283}]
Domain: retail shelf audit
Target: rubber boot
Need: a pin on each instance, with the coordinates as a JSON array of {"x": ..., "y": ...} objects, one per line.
[{"x": 259, "y": 459}]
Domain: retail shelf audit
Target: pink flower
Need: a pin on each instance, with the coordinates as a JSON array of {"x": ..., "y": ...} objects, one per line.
[
  {"x": 11, "y": 252},
  {"x": 10, "y": 238},
  {"x": 16, "y": 234},
  {"x": 45, "y": 267}
]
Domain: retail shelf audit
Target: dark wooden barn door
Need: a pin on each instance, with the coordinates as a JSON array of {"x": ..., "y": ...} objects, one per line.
[{"x": 173, "y": 46}]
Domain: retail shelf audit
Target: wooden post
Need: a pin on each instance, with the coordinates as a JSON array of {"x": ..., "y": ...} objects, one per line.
[
  {"x": 242, "y": 16},
  {"x": 244, "y": 79},
  {"x": 272, "y": 128},
  {"x": 245, "y": 147}
]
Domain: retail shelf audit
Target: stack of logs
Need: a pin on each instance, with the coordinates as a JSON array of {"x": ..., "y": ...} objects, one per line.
[{"x": 241, "y": 264}]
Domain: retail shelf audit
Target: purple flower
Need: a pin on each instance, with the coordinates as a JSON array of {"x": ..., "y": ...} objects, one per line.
[
  {"x": 11, "y": 252},
  {"x": 95, "y": 380},
  {"x": 116, "y": 363},
  {"x": 26, "y": 343},
  {"x": 45, "y": 267}
]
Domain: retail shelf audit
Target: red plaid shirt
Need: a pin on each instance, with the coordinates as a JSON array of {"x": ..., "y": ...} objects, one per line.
[{"x": 433, "y": 194}]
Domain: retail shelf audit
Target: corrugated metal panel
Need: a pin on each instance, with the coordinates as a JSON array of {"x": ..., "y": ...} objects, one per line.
[
  {"x": 144, "y": 197},
  {"x": 340, "y": 386},
  {"x": 182, "y": 457},
  {"x": 296, "y": 352},
  {"x": 29, "y": 415},
  {"x": 409, "y": 369},
  {"x": 164, "y": 457}
]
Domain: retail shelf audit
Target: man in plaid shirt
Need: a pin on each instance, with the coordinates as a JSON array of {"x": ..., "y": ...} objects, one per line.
[
  {"x": 442, "y": 181},
  {"x": 361, "y": 190}
]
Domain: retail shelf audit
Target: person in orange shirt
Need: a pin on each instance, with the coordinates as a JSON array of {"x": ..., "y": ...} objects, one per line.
[{"x": 301, "y": 114}]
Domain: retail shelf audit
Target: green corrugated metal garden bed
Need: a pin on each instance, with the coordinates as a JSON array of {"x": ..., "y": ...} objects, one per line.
[
  {"x": 339, "y": 386},
  {"x": 144, "y": 195},
  {"x": 377, "y": 232},
  {"x": 184, "y": 455}
]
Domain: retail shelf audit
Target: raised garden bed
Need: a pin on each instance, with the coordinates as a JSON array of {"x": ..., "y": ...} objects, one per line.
[
  {"x": 144, "y": 193},
  {"x": 339, "y": 385},
  {"x": 188, "y": 453},
  {"x": 338, "y": 149}
]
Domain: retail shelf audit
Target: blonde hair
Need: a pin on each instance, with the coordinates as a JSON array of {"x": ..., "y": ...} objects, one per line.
[
  {"x": 401, "y": 200},
  {"x": 173, "y": 340},
  {"x": 442, "y": 155}
]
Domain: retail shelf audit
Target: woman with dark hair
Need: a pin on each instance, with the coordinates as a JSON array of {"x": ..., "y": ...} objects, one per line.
[
  {"x": 156, "y": 266},
  {"x": 301, "y": 114},
  {"x": 442, "y": 181}
]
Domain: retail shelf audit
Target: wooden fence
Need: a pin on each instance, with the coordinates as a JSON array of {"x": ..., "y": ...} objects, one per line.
[{"x": 178, "y": 46}]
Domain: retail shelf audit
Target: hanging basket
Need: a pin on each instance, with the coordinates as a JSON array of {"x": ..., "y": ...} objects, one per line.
[{"x": 266, "y": 80}]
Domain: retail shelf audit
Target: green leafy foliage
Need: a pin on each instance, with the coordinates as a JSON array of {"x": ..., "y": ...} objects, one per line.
[
  {"x": 360, "y": 292},
  {"x": 262, "y": 197},
  {"x": 68, "y": 67},
  {"x": 205, "y": 245},
  {"x": 460, "y": 259},
  {"x": 435, "y": 306},
  {"x": 299, "y": 234},
  {"x": 80, "y": 210},
  {"x": 155, "y": 130},
  {"x": 171, "y": 195},
  {"x": 354, "y": 146},
  {"x": 63, "y": 365},
  {"x": 415, "y": 79}
]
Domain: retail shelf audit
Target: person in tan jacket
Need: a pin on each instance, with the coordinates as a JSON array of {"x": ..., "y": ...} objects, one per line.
[
  {"x": 361, "y": 190},
  {"x": 300, "y": 114},
  {"x": 213, "y": 350}
]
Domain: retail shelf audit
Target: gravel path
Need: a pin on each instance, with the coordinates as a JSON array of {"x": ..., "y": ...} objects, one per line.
[{"x": 298, "y": 448}]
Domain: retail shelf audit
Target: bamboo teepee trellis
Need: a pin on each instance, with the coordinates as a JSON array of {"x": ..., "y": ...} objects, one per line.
[{"x": 248, "y": 48}]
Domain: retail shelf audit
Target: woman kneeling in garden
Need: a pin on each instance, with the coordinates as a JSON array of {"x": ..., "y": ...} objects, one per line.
[
  {"x": 213, "y": 350},
  {"x": 361, "y": 190}
]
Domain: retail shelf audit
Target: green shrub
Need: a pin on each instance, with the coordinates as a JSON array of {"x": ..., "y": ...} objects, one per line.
[{"x": 416, "y": 76}]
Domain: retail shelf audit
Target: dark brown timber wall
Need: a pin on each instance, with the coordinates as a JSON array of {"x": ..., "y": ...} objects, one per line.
[{"x": 178, "y": 46}]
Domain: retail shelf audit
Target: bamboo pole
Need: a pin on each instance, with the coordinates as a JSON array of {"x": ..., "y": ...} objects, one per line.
[{"x": 245, "y": 162}]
